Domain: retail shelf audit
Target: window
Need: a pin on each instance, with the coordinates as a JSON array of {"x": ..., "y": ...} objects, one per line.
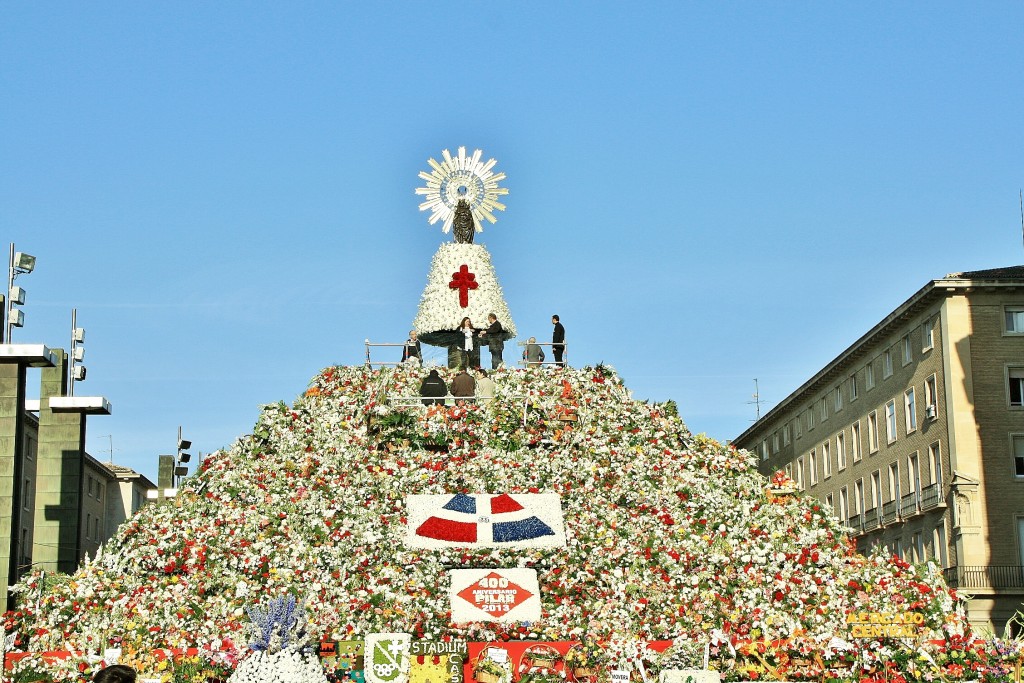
[
  {"x": 869, "y": 376},
  {"x": 775, "y": 442},
  {"x": 855, "y": 441},
  {"x": 844, "y": 503},
  {"x": 894, "y": 492},
  {"x": 826, "y": 459},
  {"x": 813, "y": 463},
  {"x": 913, "y": 473},
  {"x": 935, "y": 460},
  {"x": 810, "y": 418},
  {"x": 830, "y": 501},
  {"x": 797, "y": 429},
  {"x": 1018, "y": 454},
  {"x": 876, "y": 489},
  {"x": 931, "y": 398},
  {"x": 910, "y": 410},
  {"x": 890, "y": 420},
  {"x": 853, "y": 388},
  {"x": 764, "y": 449},
  {"x": 88, "y": 525},
  {"x": 1015, "y": 377},
  {"x": 824, "y": 408},
  {"x": 799, "y": 473},
  {"x": 908, "y": 352},
  {"x": 785, "y": 434},
  {"x": 894, "y": 481},
  {"x": 840, "y": 450},
  {"x": 1014, "y": 319},
  {"x": 838, "y": 398},
  {"x": 859, "y": 496},
  {"x": 940, "y": 545},
  {"x": 872, "y": 431},
  {"x": 928, "y": 335},
  {"x": 917, "y": 547},
  {"x": 26, "y": 494},
  {"x": 887, "y": 364}
]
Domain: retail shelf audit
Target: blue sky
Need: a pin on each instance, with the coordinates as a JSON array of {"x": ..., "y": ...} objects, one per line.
[{"x": 706, "y": 193}]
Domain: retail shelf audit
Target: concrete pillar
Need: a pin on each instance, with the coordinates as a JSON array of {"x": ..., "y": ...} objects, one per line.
[
  {"x": 59, "y": 471},
  {"x": 12, "y": 439}
]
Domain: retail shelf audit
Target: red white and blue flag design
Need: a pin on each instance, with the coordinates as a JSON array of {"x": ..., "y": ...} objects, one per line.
[{"x": 528, "y": 520}]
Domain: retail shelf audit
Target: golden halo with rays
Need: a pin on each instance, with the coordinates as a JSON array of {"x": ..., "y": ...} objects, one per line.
[{"x": 461, "y": 177}]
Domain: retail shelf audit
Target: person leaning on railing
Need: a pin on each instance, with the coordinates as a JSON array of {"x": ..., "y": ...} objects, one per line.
[{"x": 533, "y": 354}]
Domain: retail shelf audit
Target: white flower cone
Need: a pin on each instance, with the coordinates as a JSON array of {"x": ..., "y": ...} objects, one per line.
[
  {"x": 441, "y": 307},
  {"x": 287, "y": 666}
]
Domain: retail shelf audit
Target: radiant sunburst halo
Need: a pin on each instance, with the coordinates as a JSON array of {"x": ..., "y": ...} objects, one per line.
[{"x": 462, "y": 177}]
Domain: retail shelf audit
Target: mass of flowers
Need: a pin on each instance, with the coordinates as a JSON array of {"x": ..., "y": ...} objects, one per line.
[
  {"x": 668, "y": 536},
  {"x": 440, "y": 307}
]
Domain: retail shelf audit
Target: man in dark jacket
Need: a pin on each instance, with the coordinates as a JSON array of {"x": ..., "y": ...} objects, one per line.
[
  {"x": 557, "y": 340},
  {"x": 495, "y": 340},
  {"x": 433, "y": 389},
  {"x": 412, "y": 348}
]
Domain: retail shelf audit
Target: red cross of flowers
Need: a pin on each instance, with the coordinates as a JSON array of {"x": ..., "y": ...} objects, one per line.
[{"x": 463, "y": 280}]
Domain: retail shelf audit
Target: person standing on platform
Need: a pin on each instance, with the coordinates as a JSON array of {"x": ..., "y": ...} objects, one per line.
[
  {"x": 485, "y": 386},
  {"x": 533, "y": 354},
  {"x": 412, "y": 348},
  {"x": 463, "y": 386},
  {"x": 557, "y": 340},
  {"x": 469, "y": 347},
  {"x": 433, "y": 389},
  {"x": 495, "y": 343}
]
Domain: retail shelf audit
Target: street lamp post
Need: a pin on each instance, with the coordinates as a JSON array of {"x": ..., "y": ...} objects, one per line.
[{"x": 19, "y": 264}]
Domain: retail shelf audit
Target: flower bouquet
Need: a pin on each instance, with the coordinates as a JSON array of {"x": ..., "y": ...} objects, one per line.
[
  {"x": 486, "y": 670},
  {"x": 583, "y": 659},
  {"x": 282, "y": 649},
  {"x": 539, "y": 657}
]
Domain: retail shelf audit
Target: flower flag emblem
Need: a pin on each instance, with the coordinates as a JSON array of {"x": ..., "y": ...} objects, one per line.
[
  {"x": 389, "y": 657},
  {"x": 529, "y": 520}
]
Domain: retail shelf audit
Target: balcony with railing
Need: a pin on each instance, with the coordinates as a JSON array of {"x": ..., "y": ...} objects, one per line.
[
  {"x": 931, "y": 497},
  {"x": 909, "y": 505},
  {"x": 991, "y": 576},
  {"x": 871, "y": 519},
  {"x": 890, "y": 512},
  {"x": 856, "y": 523}
]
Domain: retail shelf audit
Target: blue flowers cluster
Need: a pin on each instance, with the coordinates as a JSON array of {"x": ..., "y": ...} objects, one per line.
[{"x": 281, "y": 626}]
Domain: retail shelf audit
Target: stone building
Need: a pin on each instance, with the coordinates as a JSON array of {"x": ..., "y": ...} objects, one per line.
[
  {"x": 915, "y": 436},
  {"x": 57, "y": 501}
]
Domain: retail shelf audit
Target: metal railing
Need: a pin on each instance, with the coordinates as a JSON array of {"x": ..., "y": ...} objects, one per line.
[
  {"x": 931, "y": 497},
  {"x": 991, "y": 576},
  {"x": 890, "y": 512},
  {"x": 855, "y": 522},
  {"x": 909, "y": 505},
  {"x": 870, "y": 519},
  {"x": 565, "y": 354}
]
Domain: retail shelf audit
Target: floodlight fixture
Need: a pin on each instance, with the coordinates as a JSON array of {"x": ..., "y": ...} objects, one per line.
[
  {"x": 180, "y": 471},
  {"x": 79, "y": 373},
  {"x": 184, "y": 444},
  {"x": 78, "y": 354},
  {"x": 78, "y": 335},
  {"x": 184, "y": 457},
  {"x": 19, "y": 264},
  {"x": 24, "y": 263}
]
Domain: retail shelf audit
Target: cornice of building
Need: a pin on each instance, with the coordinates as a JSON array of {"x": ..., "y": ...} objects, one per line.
[{"x": 1008, "y": 278}]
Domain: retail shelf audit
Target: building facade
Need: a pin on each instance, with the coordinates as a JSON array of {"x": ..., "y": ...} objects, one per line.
[{"x": 914, "y": 435}]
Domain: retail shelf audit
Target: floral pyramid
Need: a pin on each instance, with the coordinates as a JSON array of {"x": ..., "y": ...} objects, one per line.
[{"x": 664, "y": 533}]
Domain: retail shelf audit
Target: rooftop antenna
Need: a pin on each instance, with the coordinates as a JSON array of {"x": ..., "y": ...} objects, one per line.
[
  {"x": 757, "y": 401},
  {"x": 110, "y": 451}
]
